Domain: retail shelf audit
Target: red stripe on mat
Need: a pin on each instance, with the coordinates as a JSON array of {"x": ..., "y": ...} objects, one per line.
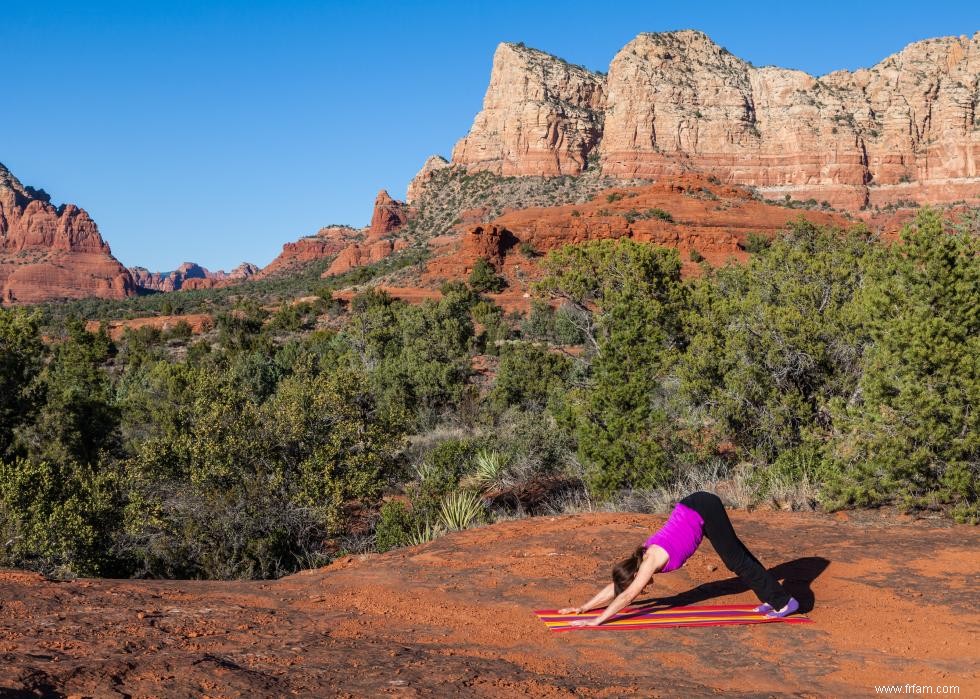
[{"x": 668, "y": 617}]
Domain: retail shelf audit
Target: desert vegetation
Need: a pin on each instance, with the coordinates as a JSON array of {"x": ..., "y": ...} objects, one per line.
[{"x": 830, "y": 371}]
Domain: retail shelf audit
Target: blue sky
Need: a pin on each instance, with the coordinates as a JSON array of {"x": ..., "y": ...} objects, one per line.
[{"x": 217, "y": 131}]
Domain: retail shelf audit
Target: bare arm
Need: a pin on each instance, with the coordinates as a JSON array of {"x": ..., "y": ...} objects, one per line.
[
  {"x": 601, "y": 599},
  {"x": 654, "y": 560}
]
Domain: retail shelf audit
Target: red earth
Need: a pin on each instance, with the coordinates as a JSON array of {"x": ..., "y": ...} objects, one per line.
[{"x": 893, "y": 601}]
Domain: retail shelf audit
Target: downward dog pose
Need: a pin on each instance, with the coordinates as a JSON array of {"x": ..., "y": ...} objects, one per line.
[{"x": 697, "y": 515}]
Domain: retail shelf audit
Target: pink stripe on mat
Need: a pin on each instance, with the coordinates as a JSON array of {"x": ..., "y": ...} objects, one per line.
[{"x": 633, "y": 618}]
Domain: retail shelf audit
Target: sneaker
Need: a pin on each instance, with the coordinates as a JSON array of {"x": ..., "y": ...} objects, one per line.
[
  {"x": 791, "y": 607},
  {"x": 763, "y": 609}
]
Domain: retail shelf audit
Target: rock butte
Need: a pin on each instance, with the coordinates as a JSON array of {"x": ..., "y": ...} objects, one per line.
[
  {"x": 389, "y": 217},
  {"x": 906, "y": 128},
  {"x": 52, "y": 253}
]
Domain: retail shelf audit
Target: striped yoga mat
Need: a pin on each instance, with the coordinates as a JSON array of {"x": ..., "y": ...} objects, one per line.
[{"x": 633, "y": 618}]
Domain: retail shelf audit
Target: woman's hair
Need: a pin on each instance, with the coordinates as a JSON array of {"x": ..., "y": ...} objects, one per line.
[{"x": 624, "y": 571}]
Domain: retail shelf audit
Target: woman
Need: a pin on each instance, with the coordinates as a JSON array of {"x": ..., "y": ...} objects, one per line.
[{"x": 698, "y": 515}]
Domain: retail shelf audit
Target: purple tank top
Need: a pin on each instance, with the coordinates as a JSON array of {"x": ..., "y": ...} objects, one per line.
[{"x": 679, "y": 537}]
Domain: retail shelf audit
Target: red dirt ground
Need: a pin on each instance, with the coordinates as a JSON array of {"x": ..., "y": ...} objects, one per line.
[{"x": 894, "y": 601}]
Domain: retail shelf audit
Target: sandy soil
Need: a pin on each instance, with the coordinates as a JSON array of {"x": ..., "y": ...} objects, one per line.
[{"x": 893, "y": 600}]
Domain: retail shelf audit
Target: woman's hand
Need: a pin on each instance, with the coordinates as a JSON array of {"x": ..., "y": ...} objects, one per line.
[
  {"x": 585, "y": 622},
  {"x": 571, "y": 610}
]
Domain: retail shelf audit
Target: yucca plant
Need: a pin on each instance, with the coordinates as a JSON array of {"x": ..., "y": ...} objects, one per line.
[
  {"x": 424, "y": 472},
  {"x": 460, "y": 509},
  {"x": 489, "y": 471},
  {"x": 424, "y": 533}
]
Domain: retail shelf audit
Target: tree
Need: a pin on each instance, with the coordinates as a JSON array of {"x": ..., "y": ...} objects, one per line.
[
  {"x": 528, "y": 376},
  {"x": 772, "y": 341},
  {"x": 628, "y": 299},
  {"x": 78, "y": 420},
  {"x": 21, "y": 358},
  {"x": 911, "y": 432},
  {"x": 484, "y": 278}
]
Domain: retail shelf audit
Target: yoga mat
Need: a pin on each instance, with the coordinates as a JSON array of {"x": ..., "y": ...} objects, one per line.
[{"x": 633, "y": 618}]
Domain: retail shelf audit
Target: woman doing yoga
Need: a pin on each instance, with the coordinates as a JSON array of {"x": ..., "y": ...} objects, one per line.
[{"x": 697, "y": 515}]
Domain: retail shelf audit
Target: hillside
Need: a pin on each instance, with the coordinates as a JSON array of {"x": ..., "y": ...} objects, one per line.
[{"x": 893, "y": 601}]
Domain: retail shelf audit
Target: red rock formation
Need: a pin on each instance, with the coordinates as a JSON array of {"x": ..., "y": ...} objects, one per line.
[
  {"x": 327, "y": 242},
  {"x": 714, "y": 220},
  {"x": 490, "y": 242},
  {"x": 388, "y": 216},
  {"x": 191, "y": 275},
  {"x": 360, "y": 254},
  {"x": 907, "y": 128},
  {"x": 52, "y": 253}
]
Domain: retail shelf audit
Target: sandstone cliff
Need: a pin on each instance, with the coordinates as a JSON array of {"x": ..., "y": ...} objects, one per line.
[
  {"x": 541, "y": 116},
  {"x": 52, "y": 253},
  {"x": 907, "y": 128}
]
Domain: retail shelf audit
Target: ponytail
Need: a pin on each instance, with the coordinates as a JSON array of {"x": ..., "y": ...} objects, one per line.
[{"x": 624, "y": 572}]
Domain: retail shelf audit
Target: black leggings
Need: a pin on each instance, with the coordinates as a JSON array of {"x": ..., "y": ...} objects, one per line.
[{"x": 738, "y": 559}]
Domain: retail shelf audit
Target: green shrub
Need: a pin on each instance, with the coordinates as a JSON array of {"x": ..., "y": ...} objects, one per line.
[
  {"x": 528, "y": 376},
  {"x": 64, "y": 515},
  {"x": 484, "y": 279},
  {"x": 756, "y": 243},
  {"x": 395, "y": 526},
  {"x": 660, "y": 214},
  {"x": 528, "y": 250}
]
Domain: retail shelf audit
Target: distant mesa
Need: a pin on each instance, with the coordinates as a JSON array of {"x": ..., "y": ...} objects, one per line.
[{"x": 191, "y": 275}]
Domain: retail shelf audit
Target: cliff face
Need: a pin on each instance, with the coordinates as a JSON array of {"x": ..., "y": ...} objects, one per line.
[
  {"x": 907, "y": 128},
  {"x": 52, "y": 253},
  {"x": 541, "y": 116}
]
